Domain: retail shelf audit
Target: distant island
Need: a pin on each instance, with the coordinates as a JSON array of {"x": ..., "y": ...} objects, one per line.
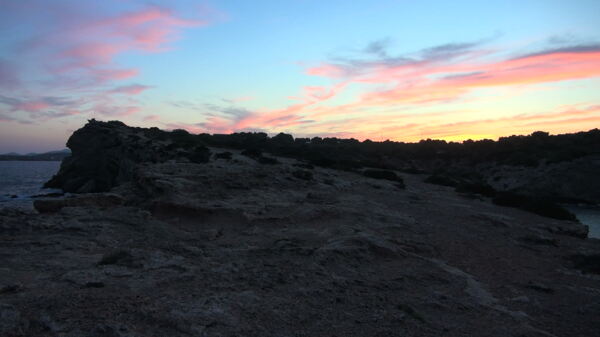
[{"x": 46, "y": 156}]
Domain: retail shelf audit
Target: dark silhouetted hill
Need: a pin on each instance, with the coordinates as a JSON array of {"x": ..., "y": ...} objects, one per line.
[
  {"x": 553, "y": 167},
  {"x": 46, "y": 156}
]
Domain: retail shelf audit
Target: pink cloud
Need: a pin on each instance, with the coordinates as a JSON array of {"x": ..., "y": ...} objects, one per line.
[
  {"x": 75, "y": 51},
  {"x": 90, "y": 54},
  {"x": 117, "y": 110},
  {"x": 326, "y": 70},
  {"x": 291, "y": 115},
  {"x": 32, "y": 106},
  {"x": 319, "y": 94},
  {"x": 92, "y": 45},
  {"x": 447, "y": 74},
  {"x": 130, "y": 110},
  {"x": 148, "y": 29},
  {"x": 133, "y": 89},
  {"x": 152, "y": 118},
  {"x": 425, "y": 89},
  {"x": 426, "y": 83},
  {"x": 217, "y": 125},
  {"x": 114, "y": 74},
  {"x": 569, "y": 111}
]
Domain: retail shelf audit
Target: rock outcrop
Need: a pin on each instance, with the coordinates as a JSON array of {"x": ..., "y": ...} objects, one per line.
[
  {"x": 234, "y": 247},
  {"x": 105, "y": 154},
  {"x": 575, "y": 180}
]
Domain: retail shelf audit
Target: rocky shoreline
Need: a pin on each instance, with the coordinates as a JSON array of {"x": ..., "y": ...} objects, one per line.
[{"x": 203, "y": 241}]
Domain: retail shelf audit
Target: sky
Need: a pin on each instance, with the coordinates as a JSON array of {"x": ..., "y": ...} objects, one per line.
[{"x": 401, "y": 70}]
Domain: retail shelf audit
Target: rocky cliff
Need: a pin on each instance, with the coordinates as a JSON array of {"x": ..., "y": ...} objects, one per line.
[
  {"x": 568, "y": 181},
  {"x": 246, "y": 244},
  {"x": 105, "y": 154},
  {"x": 557, "y": 168}
]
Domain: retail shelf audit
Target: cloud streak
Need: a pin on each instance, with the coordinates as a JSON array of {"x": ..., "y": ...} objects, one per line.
[
  {"x": 92, "y": 46},
  {"x": 433, "y": 76},
  {"x": 133, "y": 89},
  {"x": 72, "y": 49}
]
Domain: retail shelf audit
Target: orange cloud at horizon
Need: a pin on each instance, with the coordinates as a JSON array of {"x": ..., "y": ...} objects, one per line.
[
  {"x": 571, "y": 119},
  {"x": 427, "y": 84}
]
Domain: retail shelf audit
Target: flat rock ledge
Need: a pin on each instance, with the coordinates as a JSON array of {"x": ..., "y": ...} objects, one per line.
[{"x": 235, "y": 246}]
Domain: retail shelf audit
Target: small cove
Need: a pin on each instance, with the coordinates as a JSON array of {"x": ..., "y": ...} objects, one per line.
[
  {"x": 20, "y": 180},
  {"x": 590, "y": 216}
]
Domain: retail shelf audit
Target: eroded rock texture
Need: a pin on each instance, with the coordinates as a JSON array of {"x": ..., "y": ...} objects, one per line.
[
  {"x": 236, "y": 247},
  {"x": 105, "y": 154}
]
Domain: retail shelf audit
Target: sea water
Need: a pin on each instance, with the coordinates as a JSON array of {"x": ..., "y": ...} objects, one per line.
[
  {"x": 590, "y": 216},
  {"x": 20, "y": 180}
]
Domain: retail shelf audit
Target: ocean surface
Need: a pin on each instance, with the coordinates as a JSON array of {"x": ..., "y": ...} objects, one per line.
[
  {"x": 588, "y": 215},
  {"x": 19, "y": 180}
]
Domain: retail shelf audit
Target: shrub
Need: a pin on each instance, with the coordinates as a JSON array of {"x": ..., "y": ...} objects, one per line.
[
  {"x": 114, "y": 257},
  {"x": 200, "y": 154},
  {"x": 223, "y": 155},
  {"x": 304, "y": 166},
  {"x": 329, "y": 181},
  {"x": 116, "y": 123},
  {"x": 543, "y": 207},
  {"x": 477, "y": 188},
  {"x": 303, "y": 174},
  {"x": 267, "y": 160},
  {"x": 587, "y": 263},
  {"x": 252, "y": 153},
  {"x": 412, "y": 170},
  {"x": 182, "y": 138},
  {"x": 382, "y": 174},
  {"x": 282, "y": 139},
  {"x": 323, "y": 161},
  {"x": 442, "y": 180},
  {"x": 155, "y": 133}
]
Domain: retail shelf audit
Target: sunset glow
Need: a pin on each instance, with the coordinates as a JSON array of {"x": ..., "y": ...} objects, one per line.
[{"x": 386, "y": 70}]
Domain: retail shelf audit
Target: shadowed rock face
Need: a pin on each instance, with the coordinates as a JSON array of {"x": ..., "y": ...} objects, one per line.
[
  {"x": 558, "y": 168},
  {"x": 234, "y": 247},
  {"x": 237, "y": 248},
  {"x": 105, "y": 154}
]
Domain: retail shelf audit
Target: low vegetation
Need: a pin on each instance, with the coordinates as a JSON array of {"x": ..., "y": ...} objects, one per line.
[
  {"x": 448, "y": 163},
  {"x": 381, "y": 174},
  {"x": 539, "y": 206}
]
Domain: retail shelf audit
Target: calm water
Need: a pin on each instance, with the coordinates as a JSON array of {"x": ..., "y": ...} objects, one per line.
[
  {"x": 588, "y": 215},
  {"x": 24, "y": 179}
]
